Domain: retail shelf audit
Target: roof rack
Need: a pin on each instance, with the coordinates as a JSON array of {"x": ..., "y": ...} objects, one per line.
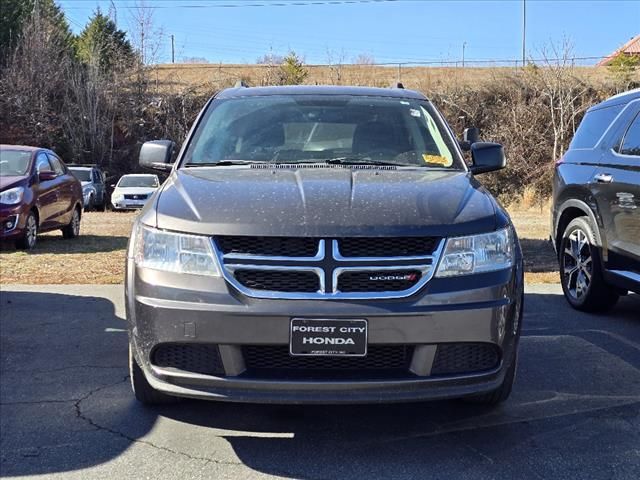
[
  {"x": 397, "y": 85},
  {"x": 241, "y": 84}
]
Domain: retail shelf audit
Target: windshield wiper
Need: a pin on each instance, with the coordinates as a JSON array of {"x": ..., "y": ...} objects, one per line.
[
  {"x": 222, "y": 163},
  {"x": 358, "y": 160}
]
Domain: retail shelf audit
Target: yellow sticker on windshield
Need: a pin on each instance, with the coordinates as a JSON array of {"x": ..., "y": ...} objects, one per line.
[{"x": 437, "y": 159}]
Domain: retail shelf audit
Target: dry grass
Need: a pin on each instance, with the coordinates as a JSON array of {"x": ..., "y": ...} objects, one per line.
[
  {"x": 97, "y": 256},
  {"x": 208, "y": 78},
  {"x": 532, "y": 225}
]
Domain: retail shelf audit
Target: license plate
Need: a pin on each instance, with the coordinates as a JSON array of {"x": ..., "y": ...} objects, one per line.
[{"x": 325, "y": 337}]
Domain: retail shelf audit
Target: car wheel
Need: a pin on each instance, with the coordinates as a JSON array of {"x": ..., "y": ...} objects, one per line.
[
  {"x": 142, "y": 390},
  {"x": 73, "y": 229},
  {"x": 581, "y": 269},
  {"x": 30, "y": 235},
  {"x": 501, "y": 393},
  {"x": 90, "y": 204}
]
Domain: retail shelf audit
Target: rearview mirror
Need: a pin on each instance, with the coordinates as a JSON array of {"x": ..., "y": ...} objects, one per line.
[
  {"x": 46, "y": 176},
  {"x": 487, "y": 157},
  {"x": 157, "y": 154}
]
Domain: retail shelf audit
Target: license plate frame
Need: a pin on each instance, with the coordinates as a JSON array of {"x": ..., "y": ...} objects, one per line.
[{"x": 322, "y": 329}]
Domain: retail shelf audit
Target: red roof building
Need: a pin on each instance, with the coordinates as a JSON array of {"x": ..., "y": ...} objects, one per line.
[{"x": 631, "y": 48}]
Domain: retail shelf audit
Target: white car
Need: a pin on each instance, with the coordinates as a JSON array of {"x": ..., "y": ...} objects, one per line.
[{"x": 133, "y": 191}]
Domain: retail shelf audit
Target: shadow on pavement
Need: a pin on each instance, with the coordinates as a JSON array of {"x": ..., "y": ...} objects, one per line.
[{"x": 575, "y": 407}]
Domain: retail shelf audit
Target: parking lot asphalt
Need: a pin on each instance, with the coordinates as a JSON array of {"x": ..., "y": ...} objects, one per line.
[{"x": 66, "y": 409}]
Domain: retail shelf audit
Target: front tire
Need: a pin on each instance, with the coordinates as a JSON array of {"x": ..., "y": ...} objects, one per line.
[
  {"x": 90, "y": 204},
  {"x": 30, "y": 235},
  {"x": 73, "y": 229},
  {"x": 142, "y": 390},
  {"x": 581, "y": 272}
]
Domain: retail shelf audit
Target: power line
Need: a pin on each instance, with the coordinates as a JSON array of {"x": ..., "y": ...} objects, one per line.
[{"x": 296, "y": 3}]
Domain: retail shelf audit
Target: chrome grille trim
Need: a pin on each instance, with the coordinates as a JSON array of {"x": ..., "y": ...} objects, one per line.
[{"x": 426, "y": 264}]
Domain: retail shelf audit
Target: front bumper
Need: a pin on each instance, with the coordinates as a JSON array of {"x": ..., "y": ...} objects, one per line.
[
  {"x": 16, "y": 217},
  {"x": 166, "y": 308}
]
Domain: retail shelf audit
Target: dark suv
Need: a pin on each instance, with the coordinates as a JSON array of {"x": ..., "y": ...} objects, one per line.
[
  {"x": 322, "y": 244},
  {"x": 596, "y": 206}
]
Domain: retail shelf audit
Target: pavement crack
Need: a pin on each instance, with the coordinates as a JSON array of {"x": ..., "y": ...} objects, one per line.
[{"x": 90, "y": 421}]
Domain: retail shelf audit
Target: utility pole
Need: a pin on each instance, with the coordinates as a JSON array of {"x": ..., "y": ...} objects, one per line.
[
  {"x": 173, "y": 49},
  {"x": 464, "y": 45},
  {"x": 524, "y": 32}
]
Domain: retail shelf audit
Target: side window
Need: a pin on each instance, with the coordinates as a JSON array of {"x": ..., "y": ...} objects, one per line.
[
  {"x": 631, "y": 140},
  {"x": 593, "y": 126},
  {"x": 56, "y": 164},
  {"x": 96, "y": 176},
  {"x": 42, "y": 163}
]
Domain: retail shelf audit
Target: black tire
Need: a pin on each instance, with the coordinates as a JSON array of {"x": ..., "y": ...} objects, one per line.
[
  {"x": 73, "y": 229},
  {"x": 144, "y": 392},
  {"x": 90, "y": 204},
  {"x": 500, "y": 394},
  {"x": 581, "y": 272},
  {"x": 29, "y": 237}
]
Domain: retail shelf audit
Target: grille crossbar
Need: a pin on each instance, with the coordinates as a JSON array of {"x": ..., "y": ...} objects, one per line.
[{"x": 315, "y": 268}]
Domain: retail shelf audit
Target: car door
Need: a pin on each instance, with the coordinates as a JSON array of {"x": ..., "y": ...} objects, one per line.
[
  {"x": 46, "y": 191},
  {"x": 98, "y": 182},
  {"x": 65, "y": 182},
  {"x": 618, "y": 192}
]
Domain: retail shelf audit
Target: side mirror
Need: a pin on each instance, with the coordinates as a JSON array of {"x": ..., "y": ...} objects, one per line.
[
  {"x": 487, "y": 157},
  {"x": 469, "y": 137},
  {"x": 46, "y": 176},
  {"x": 157, "y": 154}
]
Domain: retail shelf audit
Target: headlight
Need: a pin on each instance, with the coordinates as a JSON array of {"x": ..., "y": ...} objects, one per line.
[
  {"x": 12, "y": 196},
  {"x": 477, "y": 253},
  {"x": 174, "y": 252},
  {"x": 117, "y": 197}
]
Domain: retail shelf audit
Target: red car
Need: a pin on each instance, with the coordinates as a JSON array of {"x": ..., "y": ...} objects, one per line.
[{"x": 37, "y": 194}]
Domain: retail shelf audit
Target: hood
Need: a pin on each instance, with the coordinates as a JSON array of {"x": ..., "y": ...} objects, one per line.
[
  {"x": 135, "y": 190},
  {"x": 328, "y": 202},
  {"x": 11, "y": 181}
]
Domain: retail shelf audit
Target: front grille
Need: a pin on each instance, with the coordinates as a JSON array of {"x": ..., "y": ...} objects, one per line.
[
  {"x": 387, "y": 246},
  {"x": 272, "y": 246},
  {"x": 460, "y": 358},
  {"x": 279, "y": 281},
  {"x": 195, "y": 358},
  {"x": 135, "y": 197},
  {"x": 381, "y": 281},
  {"x": 319, "y": 268},
  {"x": 275, "y": 360}
]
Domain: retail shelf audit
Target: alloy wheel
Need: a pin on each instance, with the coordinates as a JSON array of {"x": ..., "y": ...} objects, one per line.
[
  {"x": 577, "y": 264},
  {"x": 31, "y": 231}
]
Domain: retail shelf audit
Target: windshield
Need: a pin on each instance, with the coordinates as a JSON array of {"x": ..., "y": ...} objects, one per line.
[
  {"x": 81, "y": 174},
  {"x": 14, "y": 162},
  {"x": 149, "y": 181},
  {"x": 319, "y": 128}
]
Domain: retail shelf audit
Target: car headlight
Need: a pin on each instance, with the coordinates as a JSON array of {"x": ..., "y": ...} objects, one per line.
[
  {"x": 117, "y": 197},
  {"x": 12, "y": 196},
  {"x": 174, "y": 252},
  {"x": 486, "y": 252}
]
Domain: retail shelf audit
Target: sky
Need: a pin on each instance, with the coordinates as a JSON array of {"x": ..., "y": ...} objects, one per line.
[{"x": 389, "y": 31}]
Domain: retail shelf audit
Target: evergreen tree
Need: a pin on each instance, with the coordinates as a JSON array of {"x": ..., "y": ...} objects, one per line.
[
  {"x": 101, "y": 44},
  {"x": 292, "y": 70},
  {"x": 15, "y": 13}
]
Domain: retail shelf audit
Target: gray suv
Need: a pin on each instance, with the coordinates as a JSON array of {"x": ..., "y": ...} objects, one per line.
[{"x": 323, "y": 245}]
